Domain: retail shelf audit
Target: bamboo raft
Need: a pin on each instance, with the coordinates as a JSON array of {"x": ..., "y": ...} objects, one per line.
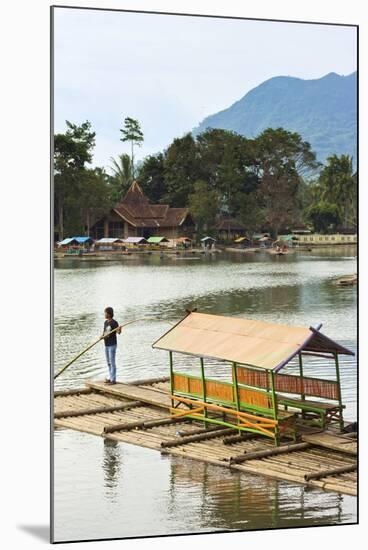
[{"x": 139, "y": 413}]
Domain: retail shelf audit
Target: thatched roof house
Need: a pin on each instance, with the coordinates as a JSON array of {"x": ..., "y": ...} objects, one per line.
[{"x": 135, "y": 216}]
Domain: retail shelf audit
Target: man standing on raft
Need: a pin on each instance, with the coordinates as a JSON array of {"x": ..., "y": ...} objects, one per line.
[{"x": 110, "y": 343}]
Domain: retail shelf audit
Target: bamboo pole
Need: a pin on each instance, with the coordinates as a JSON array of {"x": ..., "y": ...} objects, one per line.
[
  {"x": 332, "y": 472},
  {"x": 269, "y": 452},
  {"x": 275, "y": 408},
  {"x": 200, "y": 431},
  {"x": 194, "y": 438},
  {"x": 143, "y": 424},
  {"x": 236, "y": 390},
  {"x": 238, "y": 438},
  {"x": 77, "y": 391},
  {"x": 341, "y": 422},
  {"x": 96, "y": 342},
  {"x": 203, "y": 389},
  {"x": 96, "y": 410},
  {"x": 149, "y": 381}
]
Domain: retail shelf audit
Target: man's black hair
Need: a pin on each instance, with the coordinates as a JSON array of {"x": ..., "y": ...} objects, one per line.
[{"x": 109, "y": 311}]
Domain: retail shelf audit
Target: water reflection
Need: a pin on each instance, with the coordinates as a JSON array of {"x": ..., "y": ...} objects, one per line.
[
  {"x": 111, "y": 489},
  {"x": 111, "y": 467},
  {"x": 233, "y": 501}
]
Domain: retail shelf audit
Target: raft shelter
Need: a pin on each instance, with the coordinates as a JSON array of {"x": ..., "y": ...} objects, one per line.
[
  {"x": 243, "y": 425},
  {"x": 259, "y": 398}
]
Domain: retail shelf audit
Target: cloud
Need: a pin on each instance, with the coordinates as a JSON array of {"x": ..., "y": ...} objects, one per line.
[{"x": 171, "y": 71}]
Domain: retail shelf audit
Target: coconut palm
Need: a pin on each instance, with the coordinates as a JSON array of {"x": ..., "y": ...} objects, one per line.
[
  {"x": 122, "y": 172},
  {"x": 340, "y": 186}
]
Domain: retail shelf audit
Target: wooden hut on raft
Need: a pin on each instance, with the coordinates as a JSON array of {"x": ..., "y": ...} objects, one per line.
[{"x": 259, "y": 399}]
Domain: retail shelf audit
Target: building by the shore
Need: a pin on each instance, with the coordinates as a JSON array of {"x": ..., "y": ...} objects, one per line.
[
  {"x": 134, "y": 216},
  {"x": 230, "y": 229},
  {"x": 317, "y": 239}
]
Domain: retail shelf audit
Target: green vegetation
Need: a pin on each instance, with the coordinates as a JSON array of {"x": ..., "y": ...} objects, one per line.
[
  {"x": 322, "y": 110},
  {"x": 132, "y": 132},
  {"x": 80, "y": 192},
  {"x": 122, "y": 178},
  {"x": 333, "y": 197},
  {"x": 269, "y": 183}
]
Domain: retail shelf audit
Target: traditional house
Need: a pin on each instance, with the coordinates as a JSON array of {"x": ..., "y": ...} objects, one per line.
[
  {"x": 229, "y": 229},
  {"x": 134, "y": 216}
]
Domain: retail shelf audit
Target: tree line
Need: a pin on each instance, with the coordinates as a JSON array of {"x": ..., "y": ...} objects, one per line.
[{"x": 269, "y": 183}]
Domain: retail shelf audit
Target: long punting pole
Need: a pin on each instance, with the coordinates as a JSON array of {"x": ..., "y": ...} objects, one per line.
[
  {"x": 96, "y": 342},
  {"x": 339, "y": 390}
]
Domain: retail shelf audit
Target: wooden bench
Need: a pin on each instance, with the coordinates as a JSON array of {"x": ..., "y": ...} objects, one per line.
[
  {"x": 301, "y": 389},
  {"x": 251, "y": 401},
  {"x": 322, "y": 413}
]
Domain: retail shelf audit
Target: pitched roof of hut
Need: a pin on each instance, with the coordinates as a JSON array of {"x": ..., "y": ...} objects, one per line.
[
  {"x": 157, "y": 240},
  {"x": 183, "y": 239},
  {"x": 204, "y": 239},
  {"x": 82, "y": 240},
  {"x": 245, "y": 341},
  {"x": 230, "y": 224},
  {"x": 68, "y": 240},
  {"x": 135, "y": 240},
  {"x": 241, "y": 239},
  {"x": 136, "y": 209},
  {"x": 109, "y": 240}
]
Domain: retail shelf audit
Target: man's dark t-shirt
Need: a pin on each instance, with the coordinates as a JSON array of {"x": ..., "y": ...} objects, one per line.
[{"x": 108, "y": 326}]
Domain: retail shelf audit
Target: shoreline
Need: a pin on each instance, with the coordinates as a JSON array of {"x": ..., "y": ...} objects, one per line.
[{"x": 189, "y": 254}]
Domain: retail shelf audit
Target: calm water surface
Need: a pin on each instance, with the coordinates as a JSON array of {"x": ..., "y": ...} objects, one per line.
[{"x": 107, "y": 489}]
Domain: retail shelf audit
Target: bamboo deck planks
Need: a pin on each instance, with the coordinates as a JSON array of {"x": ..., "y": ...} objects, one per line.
[{"x": 325, "y": 460}]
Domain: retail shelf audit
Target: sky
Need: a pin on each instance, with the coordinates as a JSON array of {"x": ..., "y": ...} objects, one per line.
[{"x": 170, "y": 72}]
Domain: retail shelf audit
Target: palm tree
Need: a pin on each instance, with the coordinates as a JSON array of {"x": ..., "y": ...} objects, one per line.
[
  {"x": 340, "y": 186},
  {"x": 122, "y": 171}
]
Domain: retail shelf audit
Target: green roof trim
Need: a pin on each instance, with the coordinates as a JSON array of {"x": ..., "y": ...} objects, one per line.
[{"x": 157, "y": 240}]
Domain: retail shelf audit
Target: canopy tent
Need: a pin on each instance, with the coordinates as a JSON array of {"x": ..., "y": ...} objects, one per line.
[
  {"x": 109, "y": 240},
  {"x": 264, "y": 239},
  {"x": 241, "y": 240},
  {"x": 204, "y": 239},
  {"x": 75, "y": 241},
  {"x": 245, "y": 341},
  {"x": 68, "y": 241},
  {"x": 157, "y": 240},
  {"x": 258, "y": 236},
  {"x": 135, "y": 240},
  {"x": 286, "y": 239},
  {"x": 83, "y": 240},
  {"x": 183, "y": 240}
]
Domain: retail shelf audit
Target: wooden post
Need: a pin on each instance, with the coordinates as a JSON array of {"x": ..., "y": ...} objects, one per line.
[
  {"x": 301, "y": 377},
  {"x": 339, "y": 390},
  {"x": 236, "y": 390},
  {"x": 203, "y": 388},
  {"x": 106, "y": 228},
  {"x": 171, "y": 377},
  {"x": 274, "y": 405}
]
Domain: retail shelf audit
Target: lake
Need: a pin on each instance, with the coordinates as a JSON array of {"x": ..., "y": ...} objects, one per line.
[{"x": 105, "y": 489}]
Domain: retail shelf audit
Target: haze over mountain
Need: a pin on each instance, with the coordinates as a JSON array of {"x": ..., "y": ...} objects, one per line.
[{"x": 323, "y": 111}]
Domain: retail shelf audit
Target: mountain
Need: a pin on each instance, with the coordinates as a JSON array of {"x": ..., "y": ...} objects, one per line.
[{"x": 323, "y": 111}]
